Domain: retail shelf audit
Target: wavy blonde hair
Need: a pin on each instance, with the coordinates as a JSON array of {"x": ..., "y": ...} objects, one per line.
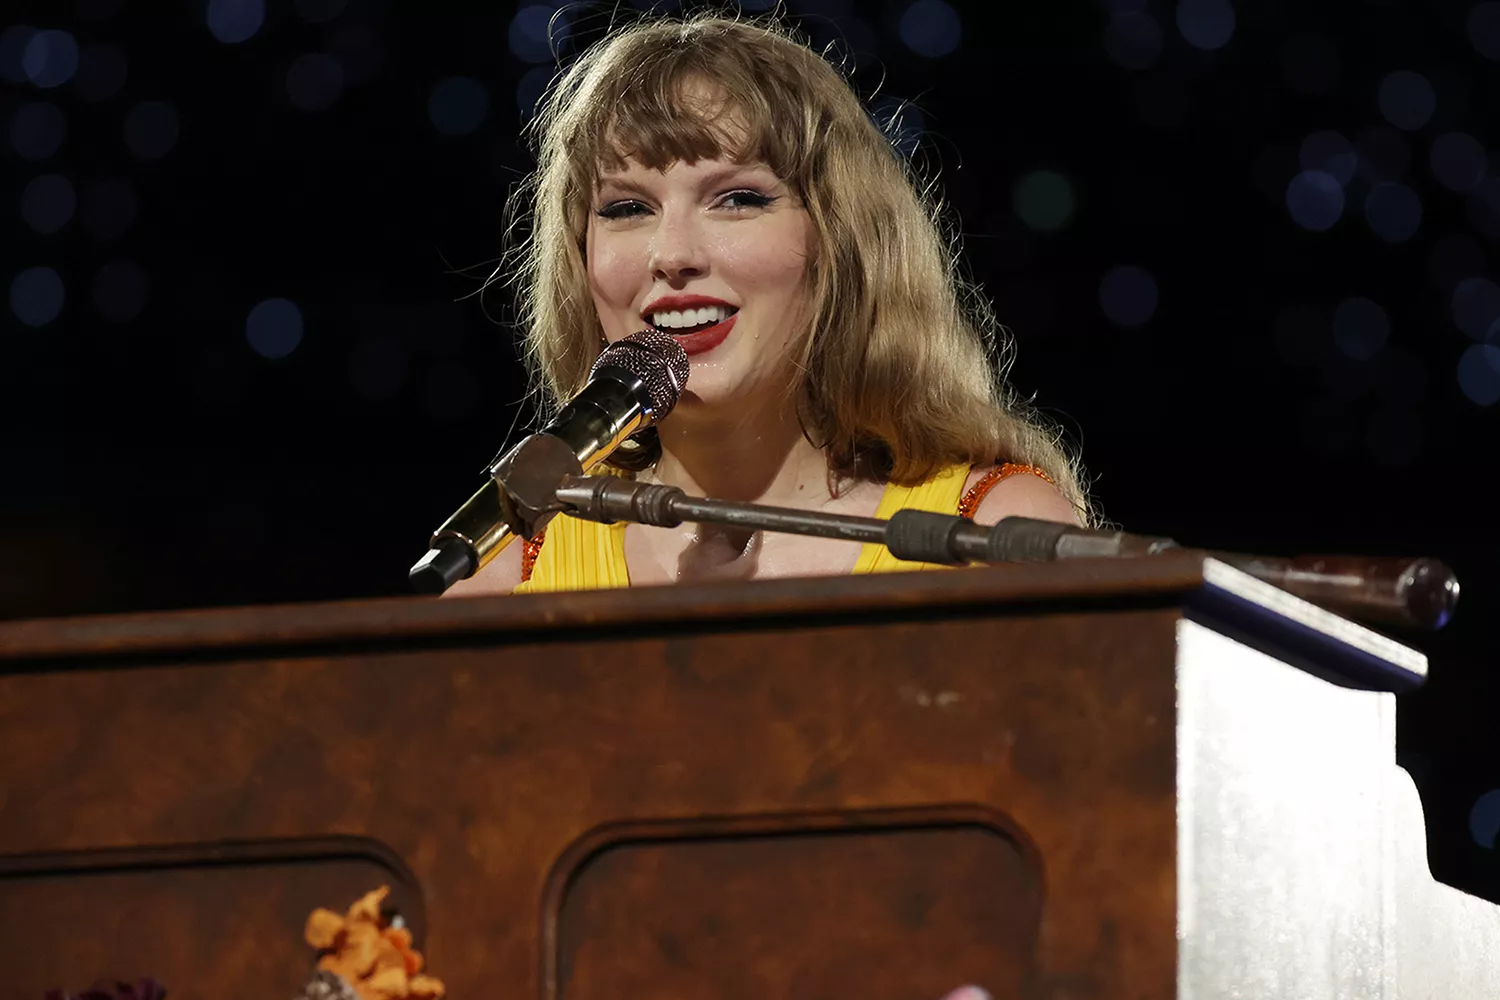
[{"x": 901, "y": 365}]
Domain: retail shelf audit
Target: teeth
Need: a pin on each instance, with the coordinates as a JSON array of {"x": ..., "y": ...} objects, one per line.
[{"x": 677, "y": 320}]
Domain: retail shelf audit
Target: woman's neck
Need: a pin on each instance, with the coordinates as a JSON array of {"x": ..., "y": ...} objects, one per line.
[{"x": 759, "y": 455}]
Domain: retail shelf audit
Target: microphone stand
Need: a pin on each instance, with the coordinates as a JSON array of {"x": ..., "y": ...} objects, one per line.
[{"x": 1404, "y": 591}]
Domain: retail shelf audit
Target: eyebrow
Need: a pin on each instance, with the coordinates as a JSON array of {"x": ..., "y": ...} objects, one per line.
[{"x": 713, "y": 177}]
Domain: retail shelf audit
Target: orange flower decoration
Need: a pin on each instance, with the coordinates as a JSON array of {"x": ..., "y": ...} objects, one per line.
[{"x": 377, "y": 960}]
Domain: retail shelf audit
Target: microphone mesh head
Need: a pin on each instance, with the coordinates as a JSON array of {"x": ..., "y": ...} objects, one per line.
[{"x": 658, "y": 360}]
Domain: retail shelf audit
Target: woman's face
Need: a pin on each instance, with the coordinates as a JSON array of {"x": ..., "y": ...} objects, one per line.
[{"x": 714, "y": 253}]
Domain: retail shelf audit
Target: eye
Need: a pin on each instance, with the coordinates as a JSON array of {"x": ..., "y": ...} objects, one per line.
[
  {"x": 745, "y": 198},
  {"x": 621, "y": 210}
]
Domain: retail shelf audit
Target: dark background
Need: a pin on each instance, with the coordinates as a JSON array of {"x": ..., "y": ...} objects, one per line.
[{"x": 196, "y": 160}]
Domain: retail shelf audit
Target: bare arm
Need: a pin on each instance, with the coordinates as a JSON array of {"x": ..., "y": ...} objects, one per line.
[
  {"x": 1022, "y": 495},
  {"x": 500, "y": 577}
]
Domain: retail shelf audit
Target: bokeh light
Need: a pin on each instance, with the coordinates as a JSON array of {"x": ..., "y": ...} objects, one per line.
[
  {"x": 235, "y": 21},
  {"x": 50, "y": 59},
  {"x": 274, "y": 328},
  {"x": 1479, "y": 374},
  {"x": 120, "y": 290},
  {"x": 1315, "y": 199},
  {"x": 1310, "y": 64},
  {"x": 1329, "y": 152},
  {"x": 102, "y": 71},
  {"x": 1044, "y": 200},
  {"x": 1360, "y": 328},
  {"x": 1205, "y": 24},
  {"x": 536, "y": 31},
  {"x": 151, "y": 129},
  {"x": 36, "y": 296},
  {"x": 1406, "y": 99},
  {"x": 458, "y": 105},
  {"x": 1484, "y": 815},
  {"x": 1394, "y": 212},
  {"x": 48, "y": 202},
  {"x": 1483, "y": 26},
  {"x": 37, "y": 130},
  {"x": 1128, "y": 295},
  {"x": 1458, "y": 161},
  {"x": 107, "y": 208},
  {"x": 1133, "y": 39},
  {"x": 1475, "y": 307},
  {"x": 931, "y": 28},
  {"x": 314, "y": 81}
]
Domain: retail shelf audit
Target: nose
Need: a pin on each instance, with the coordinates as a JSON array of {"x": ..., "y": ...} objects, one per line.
[{"x": 677, "y": 250}]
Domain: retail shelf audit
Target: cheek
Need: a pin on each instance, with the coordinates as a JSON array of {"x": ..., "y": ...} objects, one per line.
[{"x": 611, "y": 276}]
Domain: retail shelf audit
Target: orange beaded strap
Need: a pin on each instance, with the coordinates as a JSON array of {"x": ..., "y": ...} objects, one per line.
[
  {"x": 976, "y": 493},
  {"x": 530, "y": 549}
]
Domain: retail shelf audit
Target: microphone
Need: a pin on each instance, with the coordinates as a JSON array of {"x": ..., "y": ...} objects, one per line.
[{"x": 634, "y": 384}]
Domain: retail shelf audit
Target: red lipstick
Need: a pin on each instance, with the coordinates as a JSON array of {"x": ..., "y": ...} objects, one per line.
[
  {"x": 705, "y": 340},
  {"x": 699, "y": 340}
]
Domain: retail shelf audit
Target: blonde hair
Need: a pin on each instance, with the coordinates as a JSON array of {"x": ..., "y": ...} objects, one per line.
[{"x": 901, "y": 364}]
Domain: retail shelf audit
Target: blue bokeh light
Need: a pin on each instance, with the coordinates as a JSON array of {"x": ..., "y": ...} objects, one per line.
[
  {"x": 235, "y": 21},
  {"x": 1407, "y": 99},
  {"x": 37, "y": 130},
  {"x": 48, "y": 202},
  {"x": 1360, "y": 328},
  {"x": 50, "y": 59},
  {"x": 1458, "y": 161},
  {"x": 1329, "y": 152},
  {"x": 1205, "y": 24},
  {"x": 1128, "y": 295},
  {"x": 1315, "y": 200},
  {"x": 536, "y": 31},
  {"x": 1476, "y": 307},
  {"x": 1479, "y": 374},
  {"x": 37, "y": 296},
  {"x": 151, "y": 129},
  {"x": 931, "y": 28},
  {"x": 1484, "y": 816},
  {"x": 458, "y": 105},
  {"x": 274, "y": 328}
]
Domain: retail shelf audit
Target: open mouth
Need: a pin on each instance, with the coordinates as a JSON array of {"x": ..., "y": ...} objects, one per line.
[{"x": 686, "y": 322}]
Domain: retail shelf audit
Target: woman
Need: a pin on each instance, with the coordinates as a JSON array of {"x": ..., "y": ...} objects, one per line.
[{"x": 718, "y": 180}]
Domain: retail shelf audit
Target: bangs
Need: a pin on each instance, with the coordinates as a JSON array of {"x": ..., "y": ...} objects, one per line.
[{"x": 660, "y": 104}]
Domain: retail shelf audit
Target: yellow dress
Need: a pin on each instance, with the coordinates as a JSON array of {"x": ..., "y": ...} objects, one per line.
[{"x": 587, "y": 555}]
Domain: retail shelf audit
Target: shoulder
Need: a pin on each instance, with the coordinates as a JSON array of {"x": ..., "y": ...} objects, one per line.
[
  {"x": 1017, "y": 491},
  {"x": 501, "y": 576}
]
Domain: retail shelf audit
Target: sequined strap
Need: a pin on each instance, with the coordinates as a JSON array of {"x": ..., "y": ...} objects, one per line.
[
  {"x": 530, "y": 549},
  {"x": 976, "y": 493}
]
